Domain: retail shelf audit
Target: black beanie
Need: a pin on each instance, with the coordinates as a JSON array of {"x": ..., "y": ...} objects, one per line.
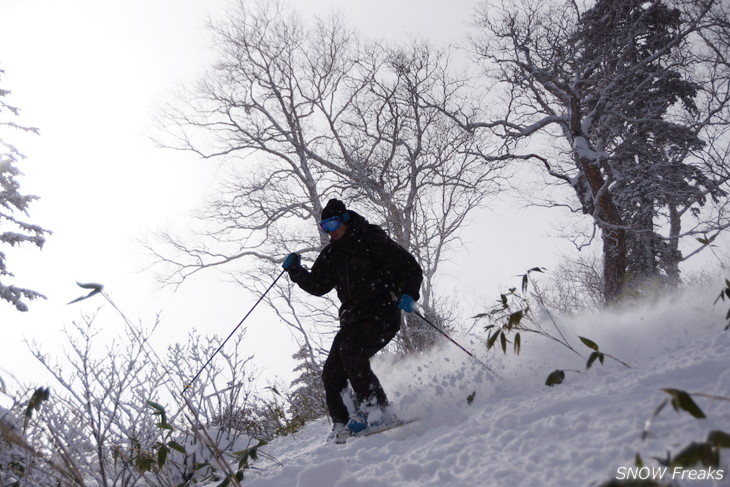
[{"x": 334, "y": 207}]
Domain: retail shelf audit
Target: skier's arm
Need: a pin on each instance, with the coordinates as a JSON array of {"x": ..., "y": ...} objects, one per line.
[
  {"x": 406, "y": 270},
  {"x": 319, "y": 281},
  {"x": 408, "y": 273}
]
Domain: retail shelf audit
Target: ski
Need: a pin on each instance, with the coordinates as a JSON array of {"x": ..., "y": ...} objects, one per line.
[{"x": 383, "y": 427}]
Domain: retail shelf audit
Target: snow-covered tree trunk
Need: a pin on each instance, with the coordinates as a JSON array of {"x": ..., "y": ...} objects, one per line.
[
  {"x": 613, "y": 231},
  {"x": 625, "y": 103}
]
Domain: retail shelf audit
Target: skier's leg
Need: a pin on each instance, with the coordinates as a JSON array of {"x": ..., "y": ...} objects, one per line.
[
  {"x": 334, "y": 378},
  {"x": 356, "y": 349},
  {"x": 362, "y": 378}
]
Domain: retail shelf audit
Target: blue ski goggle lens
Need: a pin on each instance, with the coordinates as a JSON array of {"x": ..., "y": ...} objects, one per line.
[{"x": 330, "y": 224}]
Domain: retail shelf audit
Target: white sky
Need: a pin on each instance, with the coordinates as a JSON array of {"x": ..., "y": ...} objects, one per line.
[{"x": 88, "y": 73}]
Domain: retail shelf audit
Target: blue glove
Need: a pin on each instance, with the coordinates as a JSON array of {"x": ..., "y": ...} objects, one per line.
[
  {"x": 407, "y": 303},
  {"x": 292, "y": 262}
]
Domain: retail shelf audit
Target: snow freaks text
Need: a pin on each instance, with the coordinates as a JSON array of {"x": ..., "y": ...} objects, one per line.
[{"x": 662, "y": 473}]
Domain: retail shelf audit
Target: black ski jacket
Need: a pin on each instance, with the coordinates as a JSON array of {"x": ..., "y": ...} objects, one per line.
[{"x": 368, "y": 269}]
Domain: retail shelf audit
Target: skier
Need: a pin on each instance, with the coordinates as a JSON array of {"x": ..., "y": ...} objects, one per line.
[{"x": 375, "y": 278}]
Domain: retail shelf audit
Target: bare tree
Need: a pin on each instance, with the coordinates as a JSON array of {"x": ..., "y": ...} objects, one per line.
[
  {"x": 624, "y": 103},
  {"x": 99, "y": 408},
  {"x": 109, "y": 419},
  {"x": 574, "y": 286},
  {"x": 306, "y": 113}
]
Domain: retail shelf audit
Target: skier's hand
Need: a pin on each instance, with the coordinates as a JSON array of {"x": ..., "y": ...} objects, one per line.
[
  {"x": 292, "y": 262},
  {"x": 407, "y": 303}
]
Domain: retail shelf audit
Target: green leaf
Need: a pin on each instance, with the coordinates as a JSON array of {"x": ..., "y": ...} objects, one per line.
[
  {"x": 225, "y": 483},
  {"x": 40, "y": 395},
  {"x": 515, "y": 319},
  {"x": 165, "y": 426},
  {"x": 589, "y": 343},
  {"x": 243, "y": 459},
  {"x": 696, "y": 453},
  {"x": 719, "y": 438},
  {"x": 159, "y": 411},
  {"x": 255, "y": 451},
  {"x": 704, "y": 241},
  {"x": 158, "y": 407},
  {"x": 593, "y": 357},
  {"x": 177, "y": 447},
  {"x": 683, "y": 401},
  {"x": 116, "y": 453},
  {"x": 555, "y": 377},
  {"x": 162, "y": 455},
  {"x": 525, "y": 282},
  {"x": 518, "y": 344},
  {"x": 144, "y": 463},
  {"x": 503, "y": 340},
  {"x": 492, "y": 339}
]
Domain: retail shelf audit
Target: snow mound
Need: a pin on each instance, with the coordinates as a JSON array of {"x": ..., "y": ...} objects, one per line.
[{"x": 508, "y": 429}]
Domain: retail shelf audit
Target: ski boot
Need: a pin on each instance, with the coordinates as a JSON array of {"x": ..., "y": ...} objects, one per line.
[
  {"x": 339, "y": 434},
  {"x": 358, "y": 422}
]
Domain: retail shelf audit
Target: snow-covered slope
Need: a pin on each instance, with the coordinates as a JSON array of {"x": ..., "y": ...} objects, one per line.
[{"x": 519, "y": 432}]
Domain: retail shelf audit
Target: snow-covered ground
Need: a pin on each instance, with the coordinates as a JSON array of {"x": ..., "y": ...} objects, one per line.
[{"x": 519, "y": 432}]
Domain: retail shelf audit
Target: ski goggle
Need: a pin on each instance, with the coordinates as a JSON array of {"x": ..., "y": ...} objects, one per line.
[{"x": 331, "y": 224}]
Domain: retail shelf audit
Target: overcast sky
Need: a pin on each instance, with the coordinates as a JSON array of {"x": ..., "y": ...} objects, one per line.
[{"x": 88, "y": 73}]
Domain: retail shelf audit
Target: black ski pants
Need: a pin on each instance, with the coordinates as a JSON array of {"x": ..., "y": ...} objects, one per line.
[{"x": 349, "y": 359}]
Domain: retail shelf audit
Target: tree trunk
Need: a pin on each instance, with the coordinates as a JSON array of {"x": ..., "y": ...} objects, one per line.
[
  {"x": 608, "y": 218},
  {"x": 614, "y": 263},
  {"x": 643, "y": 249},
  {"x": 673, "y": 255}
]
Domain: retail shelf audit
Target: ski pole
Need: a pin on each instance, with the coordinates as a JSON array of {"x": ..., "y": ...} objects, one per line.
[
  {"x": 189, "y": 384},
  {"x": 451, "y": 340}
]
